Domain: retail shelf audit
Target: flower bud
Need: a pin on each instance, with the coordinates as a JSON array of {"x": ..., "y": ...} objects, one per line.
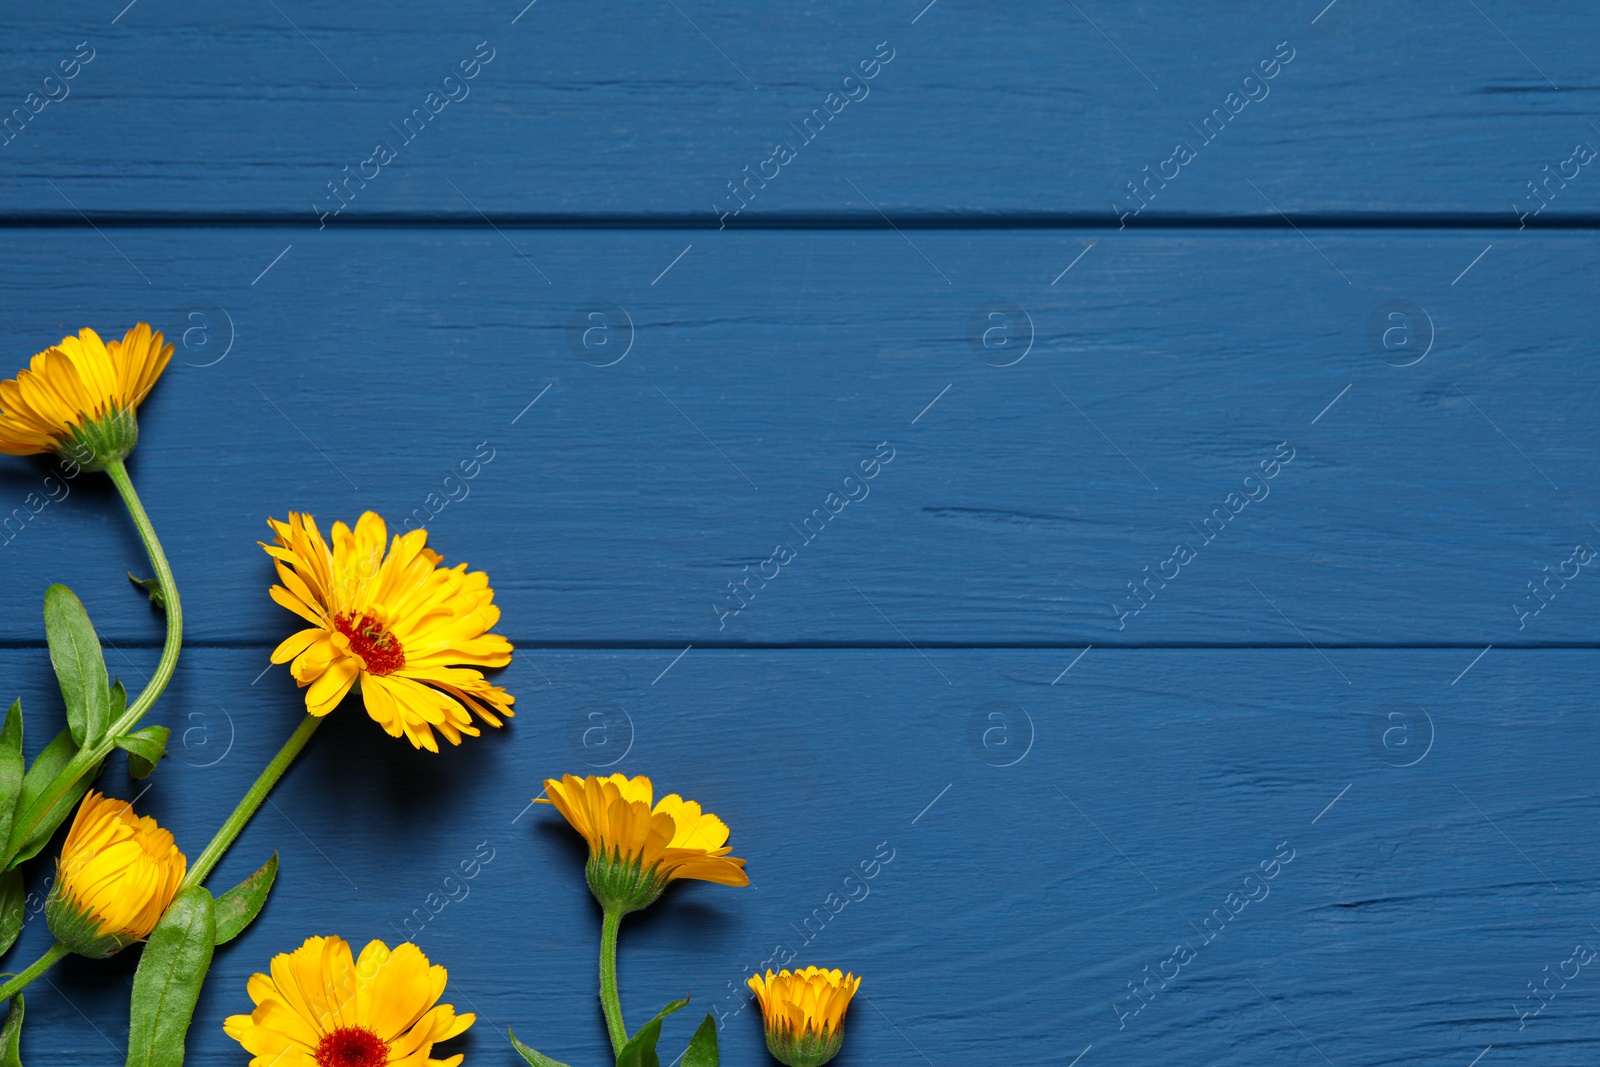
[
  {"x": 117, "y": 874},
  {"x": 803, "y": 1012}
]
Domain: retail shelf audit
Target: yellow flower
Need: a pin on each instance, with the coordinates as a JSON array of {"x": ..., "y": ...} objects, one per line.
[
  {"x": 321, "y": 1008},
  {"x": 804, "y": 1013},
  {"x": 634, "y": 849},
  {"x": 78, "y": 397},
  {"x": 402, "y": 626},
  {"x": 117, "y": 873}
]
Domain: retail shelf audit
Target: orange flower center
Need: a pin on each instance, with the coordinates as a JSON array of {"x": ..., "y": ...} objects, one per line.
[
  {"x": 378, "y": 648},
  {"x": 352, "y": 1046}
]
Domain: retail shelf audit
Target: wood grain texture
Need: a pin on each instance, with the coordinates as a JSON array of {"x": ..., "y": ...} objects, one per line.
[
  {"x": 1437, "y": 109},
  {"x": 1142, "y": 788},
  {"x": 764, "y": 367},
  {"x": 1320, "y": 785}
]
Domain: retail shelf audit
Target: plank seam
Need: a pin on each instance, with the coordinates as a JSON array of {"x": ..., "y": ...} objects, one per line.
[
  {"x": 849, "y": 222},
  {"x": 901, "y": 646}
]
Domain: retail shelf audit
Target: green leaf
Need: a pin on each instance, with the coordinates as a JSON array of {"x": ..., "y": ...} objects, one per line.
[
  {"x": 165, "y": 987},
  {"x": 119, "y": 700},
  {"x": 46, "y": 765},
  {"x": 145, "y": 749},
  {"x": 538, "y": 1059},
  {"x": 640, "y": 1051},
  {"x": 80, "y": 665},
  {"x": 13, "y": 910},
  {"x": 238, "y": 907},
  {"x": 39, "y": 783},
  {"x": 152, "y": 588},
  {"x": 702, "y": 1050},
  {"x": 10, "y": 1034},
  {"x": 11, "y": 767}
]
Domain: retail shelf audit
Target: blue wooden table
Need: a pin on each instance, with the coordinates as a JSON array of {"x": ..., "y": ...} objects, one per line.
[{"x": 1227, "y": 381}]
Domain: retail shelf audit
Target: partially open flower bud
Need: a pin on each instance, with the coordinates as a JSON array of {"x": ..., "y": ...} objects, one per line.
[
  {"x": 117, "y": 874},
  {"x": 804, "y": 1013},
  {"x": 77, "y": 398},
  {"x": 636, "y": 850}
]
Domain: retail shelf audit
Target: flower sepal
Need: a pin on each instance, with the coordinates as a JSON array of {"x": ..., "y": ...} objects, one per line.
[
  {"x": 95, "y": 444},
  {"x": 807, "y": 1049},
  {"x": 623, "y": 884},
  {"x": 80, "y": 931}
]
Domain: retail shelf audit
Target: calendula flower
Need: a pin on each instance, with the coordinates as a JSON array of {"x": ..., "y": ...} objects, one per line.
[
  {"x": 804, "y": 1013},
  {"x": 410, "y": 631},
  {"x": 321, "y": 1008},
  {"x": 634, "y": 849},
  {"x": 78, "y": 397},
  {"x": 117, "y": 873}
]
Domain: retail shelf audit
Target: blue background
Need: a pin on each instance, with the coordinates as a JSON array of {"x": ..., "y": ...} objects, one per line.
[{"x": 1348, "y": 670}]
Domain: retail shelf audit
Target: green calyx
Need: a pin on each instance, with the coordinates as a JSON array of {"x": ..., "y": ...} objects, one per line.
[
  {"x": 807, "y": 1049},
  {"x": 97, "y": 443},
  {"x": 77, "y": 930},
  {"x": 622, "y": 884}
]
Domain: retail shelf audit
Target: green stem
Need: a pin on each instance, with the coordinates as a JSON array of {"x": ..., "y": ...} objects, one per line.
[
  {"x": 88, "y": 759},
  {"x": 610, "y": 1003},
  {"x": 51, "y": 957},
  {"x": 251, "y": 801},
  {"x": 169, "y": 592}
]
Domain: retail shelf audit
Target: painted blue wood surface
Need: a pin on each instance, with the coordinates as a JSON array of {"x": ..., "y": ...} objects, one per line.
[
  {"x": 1434, "y": 108},
  {"x": 764, "y": 367},
  {"x": 1142, "y": 787},
  {"x": 1355, "y": 667}
]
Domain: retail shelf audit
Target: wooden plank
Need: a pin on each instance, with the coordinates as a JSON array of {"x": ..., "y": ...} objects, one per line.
[
  {"x": 618, "y": 502},
  {"x": 1020, "y": 900},
  {"x": 1401, "y": 110}
]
